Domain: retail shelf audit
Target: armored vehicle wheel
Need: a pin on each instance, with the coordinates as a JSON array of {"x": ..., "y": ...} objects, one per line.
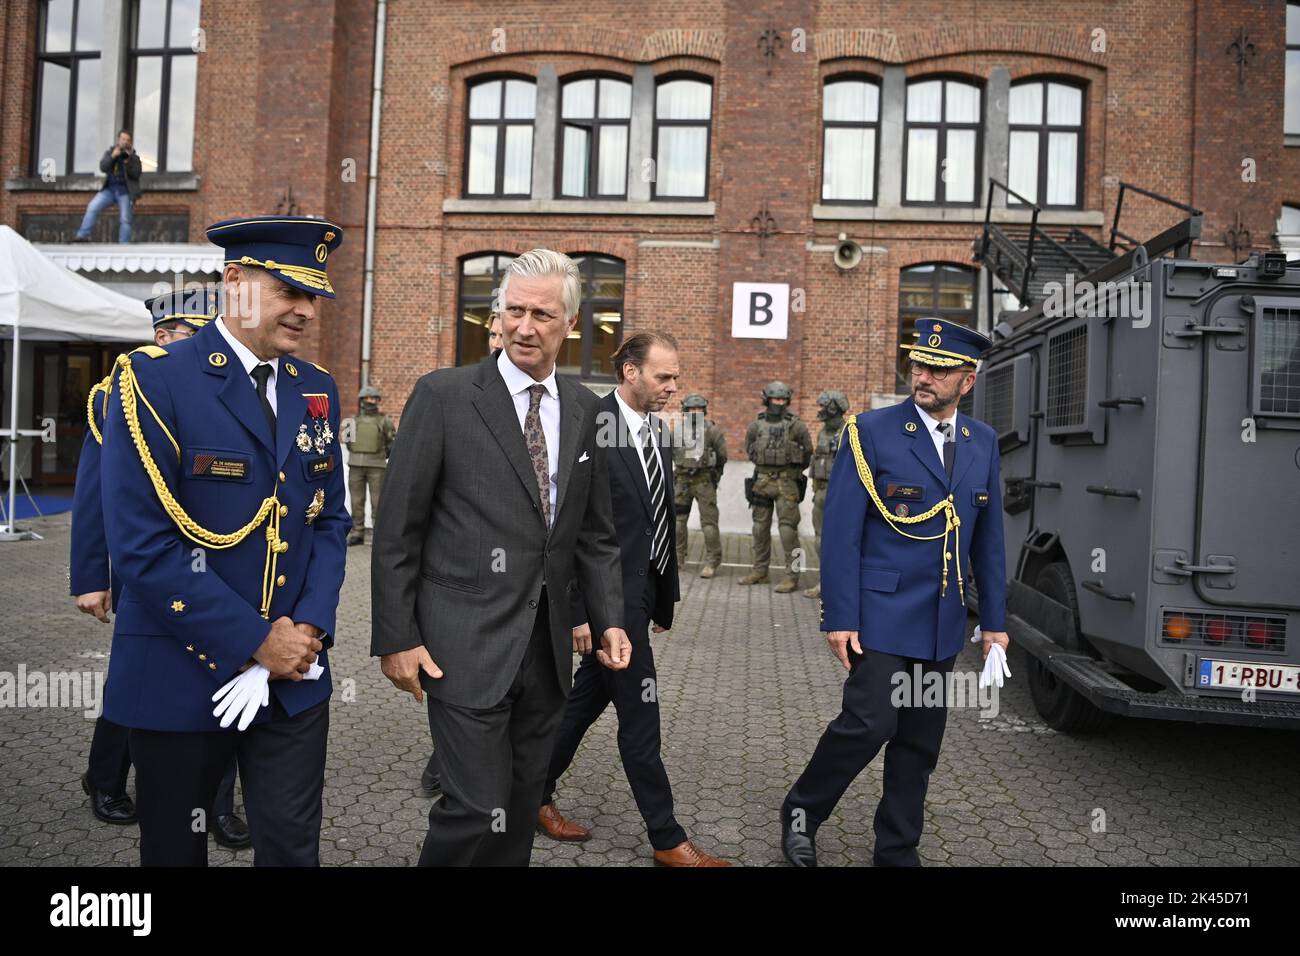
[{"x": 1064, "y": 708}]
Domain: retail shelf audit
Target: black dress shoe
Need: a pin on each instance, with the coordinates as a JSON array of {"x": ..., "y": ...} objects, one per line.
[
  {"x": 109, "y": 808},
  {"x": 798, "y": 848},
  {"x": 430, "y": 782},
  {"x": 231, "y": 832}
]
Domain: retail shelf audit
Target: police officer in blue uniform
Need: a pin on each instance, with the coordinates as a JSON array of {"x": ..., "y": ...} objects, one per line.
[
  {"x": 225, "y": 516},
  {"x": 914, "y": 501},
  {"x": 176, "y": 315}
]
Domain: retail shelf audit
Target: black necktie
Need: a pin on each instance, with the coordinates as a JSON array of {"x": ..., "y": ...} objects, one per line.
[
  {"x": 949, "y": 446},
  {"x": 261, "y": 375},
  {"x": 659, "y": 543}
]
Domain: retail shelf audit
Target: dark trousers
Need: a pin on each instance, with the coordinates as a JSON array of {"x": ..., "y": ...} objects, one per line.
[
  {"x": 282, "y": 764},
  {"x": 110, "y": 762},
  {"x": 869, "y": 720},
  {"x": 493, "y": 763},
  {"x": 635, "y": 695},
  {"x": 110, "y": 757}
]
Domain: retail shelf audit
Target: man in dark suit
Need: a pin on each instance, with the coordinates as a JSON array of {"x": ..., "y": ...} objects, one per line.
[
  {"x": 638, "y": 453},
  {"x": 497, "y": 507}
]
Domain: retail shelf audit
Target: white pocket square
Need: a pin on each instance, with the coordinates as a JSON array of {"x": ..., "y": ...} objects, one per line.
[{"x": 584, "y": 457}]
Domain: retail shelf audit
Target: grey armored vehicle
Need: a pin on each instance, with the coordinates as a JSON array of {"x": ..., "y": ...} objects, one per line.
[{"x": 1147, "y": 407}]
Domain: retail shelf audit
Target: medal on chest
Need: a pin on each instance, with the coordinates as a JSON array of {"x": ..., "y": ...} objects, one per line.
[{"x": 318, "y": 406}]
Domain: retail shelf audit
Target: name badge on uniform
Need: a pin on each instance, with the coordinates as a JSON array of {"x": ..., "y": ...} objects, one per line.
[
  {"x": 318, "y": 406},
  {"x": 907, "y": 492},
  {"x": 219, "y": 466}
]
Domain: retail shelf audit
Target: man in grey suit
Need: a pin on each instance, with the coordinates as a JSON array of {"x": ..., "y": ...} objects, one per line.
[{"x": 497, "y": 507}]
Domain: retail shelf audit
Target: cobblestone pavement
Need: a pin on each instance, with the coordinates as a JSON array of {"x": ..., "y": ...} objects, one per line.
[{"x": 746, "y": 686}]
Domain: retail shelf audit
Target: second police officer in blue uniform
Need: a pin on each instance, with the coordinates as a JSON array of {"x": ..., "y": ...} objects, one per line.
[
  {"x": 225, "y": 516},
  {"x": 176, "y": 315},
  {"x": 913, "y": 501}
]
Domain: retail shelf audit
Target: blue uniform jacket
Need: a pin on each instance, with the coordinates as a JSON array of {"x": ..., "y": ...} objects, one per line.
[
  {"x": 887, "y": 587},
  {"x": 189, "y": 615},
  {"x": 88, "y": 566}
]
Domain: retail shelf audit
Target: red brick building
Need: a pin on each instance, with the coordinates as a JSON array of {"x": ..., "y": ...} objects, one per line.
[{"x": 678, "y": 148}]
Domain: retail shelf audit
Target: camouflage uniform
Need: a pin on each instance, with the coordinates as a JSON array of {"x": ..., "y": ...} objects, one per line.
[
  {"x": 780, "y": 447},
  {"x": 372, "y": 439},
  {"x": 833, "y": 406},
  {"x": 699, "y": 453}
]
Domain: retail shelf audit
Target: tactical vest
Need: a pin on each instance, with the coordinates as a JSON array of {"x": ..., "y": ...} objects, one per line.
[
  {"x": 828, "y": 443},
  {"x": 694, "y": 451},
  {"x": 367, "y": 439},
  {"x": 776, "y": 445}
]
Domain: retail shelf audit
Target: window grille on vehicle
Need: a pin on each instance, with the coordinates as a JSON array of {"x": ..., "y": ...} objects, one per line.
[
  {"x": 1278, "y": 360},
  {"x": 998, "y": 411},
  {"x": 1067, "y": 378}
]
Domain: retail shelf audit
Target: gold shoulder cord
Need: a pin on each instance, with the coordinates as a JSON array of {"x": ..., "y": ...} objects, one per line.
[
  {"x": 952, "y": 523},
  {"x": 269, "y": 512},
  {"x": 105, "y": 386}
]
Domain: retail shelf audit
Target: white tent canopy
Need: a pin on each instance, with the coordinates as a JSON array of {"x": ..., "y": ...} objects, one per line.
[
  {"x": 42, "y": 300},
  {"x": 49, "y": 302}
]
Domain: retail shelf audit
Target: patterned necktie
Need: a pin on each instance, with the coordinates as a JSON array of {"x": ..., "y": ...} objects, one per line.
[
  {"x": 949, "y": 445},
  {"x": 261, "y": 375},
  {"x": 536, "y": 441},
  {"x": 658, "y": 507}
]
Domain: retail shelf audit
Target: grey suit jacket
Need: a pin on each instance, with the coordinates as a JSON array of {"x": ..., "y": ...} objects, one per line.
[{"x": 461, "y": 552}]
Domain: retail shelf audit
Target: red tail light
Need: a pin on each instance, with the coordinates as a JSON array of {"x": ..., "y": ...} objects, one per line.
[
  {"x": 1218, "y": 631},
  {"x": 1257, "y": 633}
]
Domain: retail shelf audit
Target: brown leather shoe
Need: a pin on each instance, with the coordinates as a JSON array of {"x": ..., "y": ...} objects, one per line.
[
  {"x": 553, "y": 824},
  {"x": 686, "y": 854}
]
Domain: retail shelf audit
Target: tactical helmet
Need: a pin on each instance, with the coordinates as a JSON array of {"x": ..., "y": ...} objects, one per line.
[
  {"x": 694, "y": 401},
  {"x": 369, "y": 391},
  {"x": 777, "y": 390},
  {"x": 834, "y": 403}
]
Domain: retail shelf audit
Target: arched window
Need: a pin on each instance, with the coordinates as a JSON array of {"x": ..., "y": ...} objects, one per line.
[
  {"x": 1045, "y": 158},
  {"x": 683, "y": 111},
  {"x": 599, "y": 332},
  {"x": 596, "y": 337},
  {"x": 594, "y": 117},
  {"x": 942, "y": 142},
  {"x": 499, "y": 138},
  {"x": 480, "y": 277},
  {"x": 941, "y": 290},
  {"x": 850, "y": 131}
]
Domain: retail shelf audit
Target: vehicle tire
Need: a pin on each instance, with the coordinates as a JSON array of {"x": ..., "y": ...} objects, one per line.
[{"x": 1064, "y": 708}]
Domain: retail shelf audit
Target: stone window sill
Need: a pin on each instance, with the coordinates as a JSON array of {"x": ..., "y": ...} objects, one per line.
[
  {"x": 578, "y": 207},
  {"x": 90, "y": 183},
  {"x": 1048, "y": 217}
]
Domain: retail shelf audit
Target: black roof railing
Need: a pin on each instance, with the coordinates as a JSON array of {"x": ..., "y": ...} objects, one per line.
[{"x": 1127, "y": 242}]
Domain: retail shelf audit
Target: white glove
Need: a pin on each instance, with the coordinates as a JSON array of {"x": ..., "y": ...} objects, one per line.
[
  {"x": 313, "y": 672},
  {"x": 243, "y": 697},
  {"x": 995, "y": 665}
]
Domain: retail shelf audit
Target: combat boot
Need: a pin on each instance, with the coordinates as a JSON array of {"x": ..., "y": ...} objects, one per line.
[
  {"x": 754, "y": 577},
  {"x": 356, "y": 537},
  {"x": 813, "y": 592},
  {"x": 789, "y": 584},
  {"x": 708, "y": 571}
]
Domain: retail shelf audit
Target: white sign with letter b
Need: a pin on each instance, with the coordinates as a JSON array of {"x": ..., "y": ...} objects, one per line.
[{"x": 760, "y": 310}]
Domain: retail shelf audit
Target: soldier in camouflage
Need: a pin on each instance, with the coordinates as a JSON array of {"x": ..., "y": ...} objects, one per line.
[
  {"x": 699, "y": 452},
  {"x": 372, "y": 439},
  {"x": 780, "y": 447},
  {"x": 832, "y": 407}
]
